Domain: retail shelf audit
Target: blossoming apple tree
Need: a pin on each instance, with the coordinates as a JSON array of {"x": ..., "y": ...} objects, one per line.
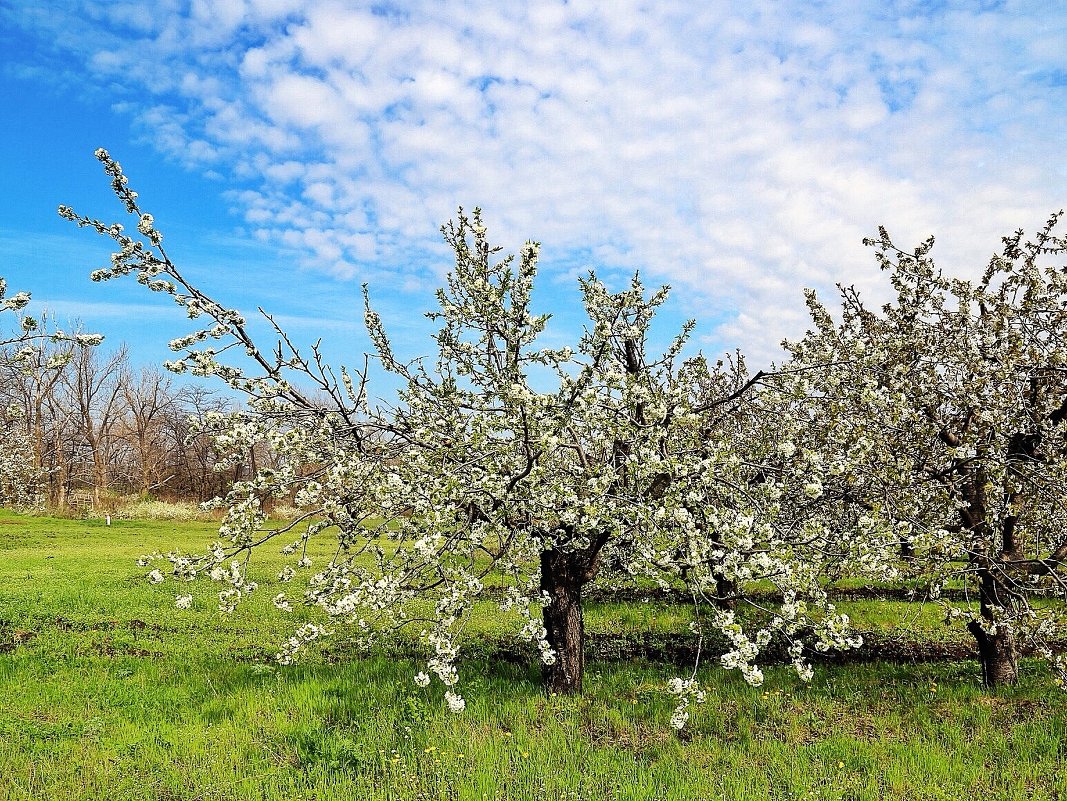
[
  {"x": 951, "y": 402},
  {"x": 514, "y": 471}
]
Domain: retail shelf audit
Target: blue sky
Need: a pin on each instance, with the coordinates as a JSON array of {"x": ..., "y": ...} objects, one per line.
[{"x": 292, "y": 150}]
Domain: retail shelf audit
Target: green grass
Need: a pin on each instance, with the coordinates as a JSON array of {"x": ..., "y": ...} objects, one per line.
[{"x": 110, "y": 692}]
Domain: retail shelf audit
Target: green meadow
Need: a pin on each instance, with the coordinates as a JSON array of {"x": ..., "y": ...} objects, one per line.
[{"x": 107, "y": 691}]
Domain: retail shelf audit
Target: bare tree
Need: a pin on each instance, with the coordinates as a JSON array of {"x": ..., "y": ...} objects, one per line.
[
  {"x": 97, "y": 401},
  {"x": 151, "y": 401},
  {"x": 191, "y": 459}
]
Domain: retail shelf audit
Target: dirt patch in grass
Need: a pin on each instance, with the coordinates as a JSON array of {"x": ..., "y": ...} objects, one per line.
[{"x": 11, "y": 637}]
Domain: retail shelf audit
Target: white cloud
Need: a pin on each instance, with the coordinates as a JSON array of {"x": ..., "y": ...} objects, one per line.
[{"x": 740, "y": 153}]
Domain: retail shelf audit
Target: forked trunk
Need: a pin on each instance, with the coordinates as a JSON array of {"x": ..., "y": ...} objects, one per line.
[
  {"x": 997, "y": 652},
  {"x": 562, "y": 578}
]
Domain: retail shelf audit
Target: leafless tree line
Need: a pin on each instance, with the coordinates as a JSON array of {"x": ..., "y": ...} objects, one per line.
[{"x": 102, "y": 428}]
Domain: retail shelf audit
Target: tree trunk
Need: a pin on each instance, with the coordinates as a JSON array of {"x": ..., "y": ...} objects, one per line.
[
  {"x": 62, "y": 473},
  {"x": 996, "y": 652},
  {"x": 725, "y": 589},
  {"x": 562, "y": 577},
  {"x": 726, "y": 592}
]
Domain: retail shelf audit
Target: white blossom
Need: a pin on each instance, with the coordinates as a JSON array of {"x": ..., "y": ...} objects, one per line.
[{"x": 455, "y": 702}]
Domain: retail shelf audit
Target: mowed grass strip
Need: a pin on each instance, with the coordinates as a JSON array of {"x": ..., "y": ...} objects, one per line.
[{"x": 110, "y": 692}]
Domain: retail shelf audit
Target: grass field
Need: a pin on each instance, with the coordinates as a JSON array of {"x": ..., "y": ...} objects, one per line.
[{"x": 108, "y": 691}]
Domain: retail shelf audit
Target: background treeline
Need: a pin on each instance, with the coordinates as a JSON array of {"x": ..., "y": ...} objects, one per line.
[{"x": 95, "y": 429}]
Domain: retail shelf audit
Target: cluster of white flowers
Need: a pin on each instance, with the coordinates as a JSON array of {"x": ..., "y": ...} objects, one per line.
[
  {"x": 455, "y": 702},
  {"x": 688, "y": 691},
  {"x": 307, "y": 633}
]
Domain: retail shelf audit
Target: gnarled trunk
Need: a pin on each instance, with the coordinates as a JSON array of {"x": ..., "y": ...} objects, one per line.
[
  {"x": 562, "y": 577},
  {"x": 726, "y": 593},
  {"x": 997, "y": 652}
]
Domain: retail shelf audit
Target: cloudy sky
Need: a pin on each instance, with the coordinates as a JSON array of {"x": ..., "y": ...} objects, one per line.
[{"x": 738, "y": 151}]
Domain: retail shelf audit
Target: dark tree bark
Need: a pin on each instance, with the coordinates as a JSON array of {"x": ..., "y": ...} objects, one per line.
[
  {"x": 997, "y": 653},
  {"x": 562, "y": 576},
  {"x": 726, "y": 592}
]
